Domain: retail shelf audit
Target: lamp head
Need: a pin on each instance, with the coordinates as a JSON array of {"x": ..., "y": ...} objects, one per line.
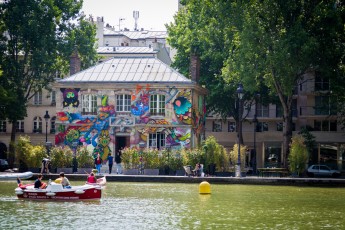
[
  {"x": 240, "y": 91},
  {"x": 46, "y": 116}
]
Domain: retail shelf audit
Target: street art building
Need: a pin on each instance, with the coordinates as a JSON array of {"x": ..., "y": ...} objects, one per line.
[{"x": 129, "y": 101}]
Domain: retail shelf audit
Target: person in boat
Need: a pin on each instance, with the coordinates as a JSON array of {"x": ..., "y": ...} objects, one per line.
[
  {"x": 98, "y": 163},
  {"x": 38, "y": 183},
  {"x": 110, "y": 162},
  {"x": 64, "y": 181},
  {"x": 91, "y": 179}
]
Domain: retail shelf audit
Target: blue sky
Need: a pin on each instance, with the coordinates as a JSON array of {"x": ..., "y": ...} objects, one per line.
[{"x": 153, "y": 14}]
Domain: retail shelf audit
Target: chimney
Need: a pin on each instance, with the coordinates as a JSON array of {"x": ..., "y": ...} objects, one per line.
[
  {"x": 74, "y": 63},
  {"x": 195, "y": 68}
]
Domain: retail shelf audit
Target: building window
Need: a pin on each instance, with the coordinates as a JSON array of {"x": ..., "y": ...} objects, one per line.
[
  {"x": 52, "y": 125},
  {"x": 321, "y": 84},
  {"x": 3, "y": 126},
  {"x": 157, "y": 140},
  {"x": 20, "y": 127},
  {"x": 37, "y": 125},
  {"x": 262, "y": 110},
  {"x": 38, "y": 98},
  {"x": 157, "y": 104},
  {"x": 231, "y": 126},
  {"x": 280, "y": 126},
  {"x": 261, "y": 127},
  {"x": 324, "y": 106},
  {"x": 325, "y": 125},
  {"x": 89, "y": 104},
  {"x": 123, "y": 103},
  {"x": 217, "y": 126},
  {"x": 53, "y": 97}
]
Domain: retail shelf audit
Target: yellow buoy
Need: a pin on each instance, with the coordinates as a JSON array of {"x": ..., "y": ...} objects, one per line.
[
  {"x": 204, "y": 188},
  {"x": 58, "y": 180}
]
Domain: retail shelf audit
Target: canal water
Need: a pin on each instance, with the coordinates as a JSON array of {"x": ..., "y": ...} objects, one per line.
[{"x": 180, "y": 206}]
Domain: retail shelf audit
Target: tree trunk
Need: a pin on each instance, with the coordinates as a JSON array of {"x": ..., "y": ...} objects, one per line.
[
  {"x": 12, "y": 150},
  {"x": 287, "y": 135}
]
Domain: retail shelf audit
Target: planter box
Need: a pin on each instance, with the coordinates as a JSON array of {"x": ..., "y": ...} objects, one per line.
[
  {"x": 131, "y": 171},
  {"x": 83, "y": 170},
  {"x": 224, "y": 174},
  {"x": 151, "y": 172},
  {"x": 65, "y": 170},
  {"x": 180, "y": 172}
]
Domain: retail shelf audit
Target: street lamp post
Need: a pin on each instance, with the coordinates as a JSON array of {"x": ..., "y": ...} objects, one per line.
[
  {"x": 255, "y": 121},
  {"x": 46, "y": 117},
  {"x": 168, "y": 147},
  {"x": 240, "y": 96},
  {"x": 142, "y": 145}
]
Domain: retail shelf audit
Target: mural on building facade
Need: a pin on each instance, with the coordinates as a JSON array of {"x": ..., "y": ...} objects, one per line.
[
  {"x": 70, "y": 97},
  {"x": 97, "y": 132}
]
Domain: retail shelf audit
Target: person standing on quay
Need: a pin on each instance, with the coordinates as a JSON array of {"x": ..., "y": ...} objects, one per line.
[
  {"x": 110, "y": 162},
  {"x": 118, "y": 162},
  {"x": 98, "y": 163}
]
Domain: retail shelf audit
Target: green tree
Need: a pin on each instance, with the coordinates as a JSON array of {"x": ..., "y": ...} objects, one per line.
[
  {"x": 263, "y": 43},
  {"x": 37, "y": 37}
]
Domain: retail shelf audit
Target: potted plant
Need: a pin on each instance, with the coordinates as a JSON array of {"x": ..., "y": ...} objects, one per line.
[
  {"x": 85, "y": 160},
  {"x": 29, "y": 155},
  {"x": 298, "y": 156},
  {"x": 234, "y": 157},
  {"x": 151, "y": 160},
  {"x": 62, "y": 159},
  {"x": 130, "y": 158},
  {"x": 175, "y": 163}
]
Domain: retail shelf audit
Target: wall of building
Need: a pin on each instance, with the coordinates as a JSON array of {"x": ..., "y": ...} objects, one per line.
[{"x": 98, "y": 132}]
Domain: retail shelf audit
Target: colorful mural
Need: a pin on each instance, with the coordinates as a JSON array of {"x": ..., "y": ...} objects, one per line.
[
  {"x": 182, "y": 107},
  {"x": 70, "y": 97},
  {"x": 97, "y": 132}
]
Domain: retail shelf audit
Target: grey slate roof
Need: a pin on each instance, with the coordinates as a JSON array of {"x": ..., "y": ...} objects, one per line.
[
  {"x": 125, "y": 50},
  {"x": 128, "y": 70},
  {"x": 137, "y": 34}
]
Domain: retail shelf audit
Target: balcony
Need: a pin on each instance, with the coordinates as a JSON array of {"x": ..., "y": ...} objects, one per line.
[{"x": 317, "y": 111}]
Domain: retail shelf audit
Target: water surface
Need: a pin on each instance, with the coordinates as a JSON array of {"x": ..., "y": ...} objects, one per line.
[{"x": 180, "y": 206}]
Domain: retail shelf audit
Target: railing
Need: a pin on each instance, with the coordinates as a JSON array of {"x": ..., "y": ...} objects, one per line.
[{"x": 317, "y": 111}]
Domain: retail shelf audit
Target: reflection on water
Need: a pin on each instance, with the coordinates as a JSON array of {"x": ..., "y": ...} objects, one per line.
[{"x": 180, "y": 206}]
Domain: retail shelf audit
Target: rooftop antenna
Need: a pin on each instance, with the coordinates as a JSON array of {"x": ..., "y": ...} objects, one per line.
[
  {"x": 136, "y": 16},
  {"x": 120, "y": 19}
]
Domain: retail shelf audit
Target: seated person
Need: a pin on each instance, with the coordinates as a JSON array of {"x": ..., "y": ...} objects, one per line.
[
  {"x": 45, "y": 165},
  {"x": 64, "y": 181},
  {"x": 91, "y": 178},
  {"x": 39, "y": 183},
  {"x": 197, "y": 170}
]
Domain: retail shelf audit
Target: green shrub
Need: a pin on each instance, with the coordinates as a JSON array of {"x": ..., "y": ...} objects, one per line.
[
  {"x": 234, "y": 156},
  {"x": 151, "y": 158},
  {"x": 298, "y": 156},
  {"x": 216, "y": 154},
  {"x": 130, "y": 158},
  {"x": 84, "y": 158},
  {"x": 61, "y": 157},
  {"x": 29, "y": 154}
]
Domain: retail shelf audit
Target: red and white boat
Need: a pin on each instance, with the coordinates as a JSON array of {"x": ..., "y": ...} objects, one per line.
[{"x": 55, "y": 191}]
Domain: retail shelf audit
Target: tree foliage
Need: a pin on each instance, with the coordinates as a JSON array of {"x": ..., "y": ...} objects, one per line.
[
  {"x": 36, "y": 40},
  {"x": 267, "y": 45}
]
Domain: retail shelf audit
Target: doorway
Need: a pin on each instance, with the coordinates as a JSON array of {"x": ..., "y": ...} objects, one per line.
[{"x": 121, "y": 142}]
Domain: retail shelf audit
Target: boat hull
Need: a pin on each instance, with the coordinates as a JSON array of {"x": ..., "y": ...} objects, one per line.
[
  {"x": 72, "y": 194},
  {"x": 13, "y": 176}
]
